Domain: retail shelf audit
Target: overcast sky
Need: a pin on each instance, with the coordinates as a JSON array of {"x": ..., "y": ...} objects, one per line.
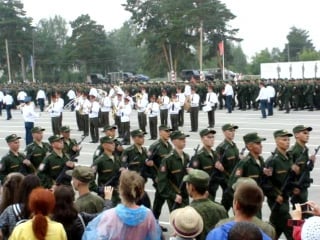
[{"x": 262, "y": 23}]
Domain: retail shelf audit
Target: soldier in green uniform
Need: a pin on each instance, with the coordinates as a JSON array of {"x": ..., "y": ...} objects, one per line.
[
  {"x": 70, "y": 146},
  {"x": 53, "y": 167},
  {"x": 109, "y": 130},
  {"x": 134, "y": 158},
  {"x": 107, "y": 166},
  {"x": 207, "y": 160},
  {"x": 156, "y": 152},
  {"x": 14, "y": 161},
  {"x": 228, "y": 156},
  {"x": 299, "y": 153},
  {"x": 197, "y": 182},
  {"x": 250, "y": 166},
  {"x": 37, "y": 150},
  {"x": 172, "y": 171},
  {"x": 278, "y": 168}
]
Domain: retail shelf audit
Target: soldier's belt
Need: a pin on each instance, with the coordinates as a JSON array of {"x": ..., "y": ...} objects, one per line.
[
  {"x": 107, "y": 170},
  {"x": 55, "y": 167},
  {"x": 14, "y": 166},
  {"x": 230, "y": 158},
  {"x": 175, "y": 188},
  {"x": 176, "y": 171},
  {"x": 281, "y": 171},
  {"x": 134, "y": 163},
  {"x": 253, "y": 176},
  {"x": 207, "y": 167}
]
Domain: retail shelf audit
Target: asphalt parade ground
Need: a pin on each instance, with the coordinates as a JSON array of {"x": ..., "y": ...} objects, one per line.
[{"x": 248, "y": 121}]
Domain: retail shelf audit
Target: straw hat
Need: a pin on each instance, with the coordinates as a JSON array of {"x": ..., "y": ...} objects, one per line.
[
  {"x": 186, "y": 222},
  {"x": 311, "y": 229}
]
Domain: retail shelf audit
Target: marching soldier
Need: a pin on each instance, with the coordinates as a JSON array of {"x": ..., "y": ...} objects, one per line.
[
  {"x": 228, "y": 155},
  {"x": 107, "y": 166},
  {"x": 299, "y": 153},
  {"x": 70, "y": 146},
  {"x": 157, "y": 151},
  {"x": 37, "y": 150},
  {"x": 250, "y": 166},
  {"x": 14, "y": 161},
  {"x": 172, "y": 171},
  {"x": 278, "y": 168},
  {"x": 207, "y": 160},
  {"x": 53, "y": 167},
  {"x": 134, "y": 158},
  {"x": 109, "y": 131}
]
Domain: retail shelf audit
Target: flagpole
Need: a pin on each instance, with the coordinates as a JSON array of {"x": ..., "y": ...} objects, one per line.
[{"x": 223, "y": 77}]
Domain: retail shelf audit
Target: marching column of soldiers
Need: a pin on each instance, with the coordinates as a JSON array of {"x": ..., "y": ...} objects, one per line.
[{"x": 284, "y": 176}]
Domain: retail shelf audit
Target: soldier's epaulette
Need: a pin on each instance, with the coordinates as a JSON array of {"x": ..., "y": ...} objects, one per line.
[{"x": 168, "y": 155}]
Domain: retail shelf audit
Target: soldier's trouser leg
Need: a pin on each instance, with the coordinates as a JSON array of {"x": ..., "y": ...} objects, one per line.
[
  {"x": 227, "y": 199},
  {"x": 181, "y": 117},
  {"x": 279, "y": 218},
  {"x": 145, "y": 200},
  {"x": 213, "y": 188},
  {"x": 142, "y": 119},
  {"x": 55, "y": 125},
  {"x": 153, "y": 122},
  {"x": 85, "y": 118},
  {"x": 174, "y": 118},
  {"x": 172, "y": 205},
  {"x": 211, "y": 119},
  {"x": 157, "y": 205},
  {"x": 126, "y": 132},
  {"x": 104, "y": 120},
  {"x": 78, "y": 120},
  {"x": 94, "y": 129},
  {"x": 164, "y": 116},
  {"x": 263, "y": 106}
]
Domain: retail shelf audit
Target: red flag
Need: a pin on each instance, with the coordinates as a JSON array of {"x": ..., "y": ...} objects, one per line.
[{"x": 221, "y": 48}]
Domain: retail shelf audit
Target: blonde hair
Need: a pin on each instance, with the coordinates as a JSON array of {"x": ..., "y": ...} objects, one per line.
[{"x": 131, "y": 186}]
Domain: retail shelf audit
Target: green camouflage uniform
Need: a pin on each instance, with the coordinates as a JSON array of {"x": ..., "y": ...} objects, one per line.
[{"x": 36, "y": 153}]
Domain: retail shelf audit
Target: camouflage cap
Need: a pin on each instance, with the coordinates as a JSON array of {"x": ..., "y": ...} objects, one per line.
[
  {"x": 37, "y": 129},
  {"x": 229, "y": 126},
  {"x": 197, "y": 177},
  {"x": 137, "y": 132},
  {"x": 54, "y": 138},
  {"x": 252, "y": 138},
  {"x": 243, "y": 180},
  {"x": 109, "y": 127},
  {"x": 12, "y": 138},
  {"x": 206, "y": 131},
  {"x": 107, "y": 139},
  {"x": 282, "y": 133},
  {"x": 65, "y": 129},
  {"x": 178, "y": 135},
  {"x": 301, "y": 128},
  {"x": 82, "y": 173},
  {"x": 164, "y": 128}
]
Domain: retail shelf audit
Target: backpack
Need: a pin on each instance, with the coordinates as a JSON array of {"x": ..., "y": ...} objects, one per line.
[{"x": 17, "y": 213}]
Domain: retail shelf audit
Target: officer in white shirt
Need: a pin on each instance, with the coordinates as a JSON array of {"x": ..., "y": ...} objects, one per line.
[
  {"x": 271, "y": 94},
  {"x": 54, "y": 110},
  {"x": 41, "y": 97},
  {"x": 228, "y": 92},
  {"x": 164, "y": 102},
  {"x": 263, "y": 97},
  {"x": 29, "y": 117},
  {"x": 210, "y": 103},
  {"x": 125, "y": 112},
  {"x": 8, "y": 101},
  {"x": 194, "y": 109},
  {"x": 71, "y": 95},
  {"x": 21, "y": 96},
  {"x": 94, "y": 118},
  {"x": 152, "y": 111},
  {"x": 105, "y": 107},
  {"x": 174, "y": 109},
  {"x": 182, "y": 99},
  {"x": 141, "y": 106}
]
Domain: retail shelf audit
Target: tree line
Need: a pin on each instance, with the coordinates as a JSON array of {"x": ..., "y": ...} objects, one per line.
[{"x": 162, "y": 35}]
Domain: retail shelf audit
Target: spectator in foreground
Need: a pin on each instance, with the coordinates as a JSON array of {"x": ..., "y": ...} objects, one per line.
[
  {"x": 186, "y": 222},
  {"x": 18, "y": 212},
  {"x": 127, "y": 220},
  {"x": 40, "y": 227},
  {"x": 248, "y": 199},
  {"x": 244, "y": 230}
]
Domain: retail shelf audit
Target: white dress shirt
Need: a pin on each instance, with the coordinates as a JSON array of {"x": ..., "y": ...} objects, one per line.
[
  {"x": 28, "y": 113},
  {"x": 211, "y": 99},
  {"x": 153, "y": 109},
  {"x": 194, "y": 100},
  {"x": 94, "y": 109},
  {"x": 263, "y": 94},
  {"x": 125, "y": 113},
  {"x": 228, "y": 90}
]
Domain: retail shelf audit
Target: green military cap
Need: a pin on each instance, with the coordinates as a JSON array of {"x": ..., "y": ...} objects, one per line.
[
  {"x": 178, "y": 135},
  {"x": 107, "y": 139},
  {"x": 206, "y": 131},
  {"x": 109, "y": 127},
  {"x": 282, "y": 133},
  {"x": 137, "y": 132},
  {"x": 197, "y": 177},
  {"x": 243, "y": 180},
  {"x": 229, "y": 126},
  {"x": 12, "y": 138},
  {"x": 164, "y": 128},
  {"x": 82, "y": 173},
  {"x": 54, "y": 138},
  {"x": 252, "y": 138},
  {"x": 300, "y": 128},
  {"x": 37, "y": 129},
  {"x": 65, "y": 129}
]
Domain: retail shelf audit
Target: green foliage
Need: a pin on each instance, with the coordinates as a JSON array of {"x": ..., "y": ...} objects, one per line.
[{"x": 309, "y": 55}]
